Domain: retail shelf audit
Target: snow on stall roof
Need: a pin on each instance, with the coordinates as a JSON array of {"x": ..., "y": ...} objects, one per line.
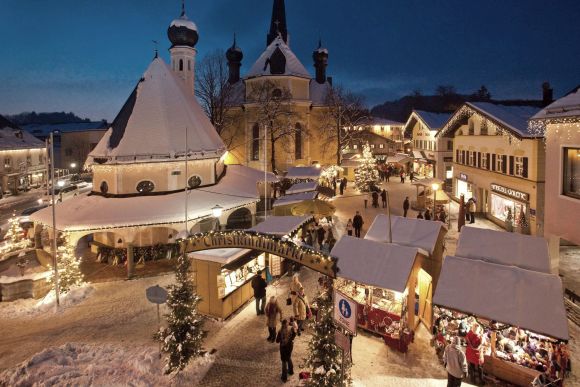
[
  {"x": 152, "y": 122},
  {"x": 318, "y": 92},
  {"x": 434, "y": 121},
  {"x": 373, "y": 263},
  {"x": 418, "y": 233},
  {"x": 295, "y": 198},
  {"x": 293, "y": 65},
  {"x": 567, "y": 106},
  {"x": 513, "y": 117},
  {"x": 93, "y": 212},
  {"x": 507, "y": 294},
  {"x": 254, "y": 175},
  {"x": 399, "y": 158},
  {"x": 183, "y": 21},
  {"x": 303, "y": 173},
  {"x": 302, "y": 187},
  {"x": 223, "y": 256},
  {"x": 504, "y": 248},
  {"x": 280, "y": 225}
]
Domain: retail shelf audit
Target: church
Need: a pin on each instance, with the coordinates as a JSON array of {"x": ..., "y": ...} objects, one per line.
[{"x": 296, "y": 128}]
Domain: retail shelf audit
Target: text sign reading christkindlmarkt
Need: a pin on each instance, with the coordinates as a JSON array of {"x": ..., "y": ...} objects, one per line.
[
  {"x": 315, "y": 260},
  {"x": 345, "y": 311}
]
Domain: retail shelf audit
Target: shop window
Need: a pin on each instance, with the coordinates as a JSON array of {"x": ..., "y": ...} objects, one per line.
[
  {"x": 501, "y": 206},
  {"x": 449, "y": 145},
  {"x": 194, "y": 181},
  {"x": 298, "y": 141},
  {"x": 571, "y": 177},
  {"x": 255, "y": 142},
  {"x": 145, "y": 186},
  {"x": 484, "y": 160}
]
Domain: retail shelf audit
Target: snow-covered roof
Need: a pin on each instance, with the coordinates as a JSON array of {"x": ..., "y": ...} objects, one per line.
[
  {"x": 302, "y": 187},
  {"x": 373, "y": 263},
  {"x": 318, "y": 92},
  {"x": 183, "y": 21},
  {"x": 280, "y": 225},
  {"x": 43, "y": 130},
  {"x": 507, "y": 294},
  {"x": 303, "y": 173},
  {"x": 11, "y": 137},
  {"x": 223, "y": 256},
  {"x": 295, "y": 198},
  {"x": 383, "y": 121},
  {"x": 254, "y": 175},
  {"x": 418, "y": 233},
  {"x": 153, "y": 121},
  {"x": 428, "y": 182},
  {"x": 514, "y": 118},
  {"x": 567, "y": 106},
  {"x": 400, "y": 158},
  {"x": 433, "y": 121},
  {"x": 504, "y": 248},
  {"x": 293, "y": 66},
  {"x": 237, "y": 188}
]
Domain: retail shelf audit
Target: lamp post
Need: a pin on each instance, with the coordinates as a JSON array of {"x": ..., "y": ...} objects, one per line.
[
  {"x": 54, "y": 260},
  {"x": 217, "y": 211}
]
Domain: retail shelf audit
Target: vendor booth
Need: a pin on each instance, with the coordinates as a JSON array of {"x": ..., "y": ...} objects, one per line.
[
  {"x": 304, "y": 173},
  {"x": 519, "y": 310},
  {"x": 302, "y": 187},
  {"x": 382, "y": 279},
  {"x": 426, "y": 194}
]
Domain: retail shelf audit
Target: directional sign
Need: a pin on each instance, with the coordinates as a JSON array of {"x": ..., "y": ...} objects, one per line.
[
  {"x": 156, "y": 294},
  {"x": 343, "y": 341},
  {"x": 345, "y": 312}
]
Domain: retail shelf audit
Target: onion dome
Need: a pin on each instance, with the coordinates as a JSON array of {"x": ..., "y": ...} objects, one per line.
[
  {"x": 234, "y": 53},
  {"x": 320, "y": 55},
  {"x": 182, "y": 31}
]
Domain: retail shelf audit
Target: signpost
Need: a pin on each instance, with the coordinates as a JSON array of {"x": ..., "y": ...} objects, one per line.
[
  {"x": 345, "y": 310},
  {"x": 157, "y": 295}
]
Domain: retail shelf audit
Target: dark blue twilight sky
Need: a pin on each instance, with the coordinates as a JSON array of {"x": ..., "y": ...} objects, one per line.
[{"x": 85, "y": 56}]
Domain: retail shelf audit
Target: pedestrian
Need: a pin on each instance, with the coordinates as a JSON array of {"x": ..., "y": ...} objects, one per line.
[
  {"x": 412, "y": 176},
  {"x": 442, "y": 216},
  {"x": 388, "y": 173},
  {"x": 402, "y": 176},
  {"x": 349, "y": 227},
  {"x": 384, "y": 198},
  {"x": 474, "y": 354},
  {"x": 259, "y": 285},
  {"x": 272, "y": 310},
  {"x": 427, "y": 214},
  {"x": 455, "y": 363},
  {"x": 320, "y": 232},
  {"x": 295, "y": 288},
  {"x": 472, "y": 209},
  {"x": 330, "y": 240},
  {"x": 420, "y": 215},
  {"x": 466, "y": 208},
  {"x": 302, "y": 311},
  {"x": 357, "y": 223},
  {"x": 375, "y": 197},
  {"x": 286, "y": 339},
  {"x": 405, "y": 206},
  {"x": 341, "y": 186}
]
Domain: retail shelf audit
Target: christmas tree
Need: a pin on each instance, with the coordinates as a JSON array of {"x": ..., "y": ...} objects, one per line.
[
  {"x": 325, "y": 357},
  {"x": 523, "y": 224},
  {"x": 366, "y": 175},
  {"x": 509, "y": 220},
  {"x": 15, "y": 235},
  {"x": 69, "y": 272},
  {"x": 182, "y": 339}
]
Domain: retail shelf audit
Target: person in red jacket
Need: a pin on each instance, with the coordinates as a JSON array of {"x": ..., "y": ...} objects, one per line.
[{"x": 473, "y": 353}]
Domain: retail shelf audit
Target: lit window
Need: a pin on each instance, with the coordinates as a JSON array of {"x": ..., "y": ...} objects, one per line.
[
  {"x": 519, "y": 166},
  {"x": 499, "y": 163},
  {"x": 381, "y": 146},
  {"x": 194, "y": 181},
  {"x": 355, "y": 146},
  {"x": 7, "y": 162},
  {"x": 372, "y": 146},
  {"x": 256, "y": 142},
  {"x": 571, "y": 178},
  {"x": 471, "y": 158},
  {"x": 145, "y": 186},
  {"x": 484, "y": 160}
]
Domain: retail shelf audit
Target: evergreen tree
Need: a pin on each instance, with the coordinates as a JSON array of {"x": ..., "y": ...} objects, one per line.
[
  {"x": 523, "y": 224},
  {"x": 16, "y": 235},
  {"x": 366, "y": 175},
  {"x": 324, "y": 359},
  {"x": 182, "y": 339},
  {"x": 69, "y": 272}
]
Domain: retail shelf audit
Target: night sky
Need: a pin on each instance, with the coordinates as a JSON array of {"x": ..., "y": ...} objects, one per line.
[{"x": 85, "y": 56}]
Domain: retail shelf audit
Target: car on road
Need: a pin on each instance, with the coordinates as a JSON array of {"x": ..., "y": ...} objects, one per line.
[{"x": 61, "y": 194}]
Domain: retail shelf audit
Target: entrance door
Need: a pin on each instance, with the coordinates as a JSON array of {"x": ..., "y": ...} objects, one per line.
[{"x": 425, "y": 285}]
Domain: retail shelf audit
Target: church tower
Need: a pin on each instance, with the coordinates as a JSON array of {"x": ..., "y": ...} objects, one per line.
[
  {"x": 182, "y": 34},
  {"x": 320, "y": 56},
  {"x": 278, "y": 23}
]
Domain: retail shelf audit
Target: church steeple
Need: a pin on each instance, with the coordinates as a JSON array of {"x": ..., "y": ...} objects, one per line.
[{"x": 278, "y": 23}]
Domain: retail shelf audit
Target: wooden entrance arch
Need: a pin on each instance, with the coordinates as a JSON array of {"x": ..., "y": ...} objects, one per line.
[{"x": 306, "y": 256}]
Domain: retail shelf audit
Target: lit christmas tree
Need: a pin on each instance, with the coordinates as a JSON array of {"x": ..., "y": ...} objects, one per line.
[
  {"x": 182, "y": 339},
  {"x": 69, "y": 272},
  {"x": 15, "y": 235},
  {"x": 366, "y": 175},
  {"x": 523, "y": 224},
  {"x": 325, "y": 357}
]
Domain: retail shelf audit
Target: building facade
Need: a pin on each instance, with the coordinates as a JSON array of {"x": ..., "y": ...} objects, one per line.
[
  {"x": 386, "y": 128},
  {"x": 381, "y": 147},
  {"x": 499, "y": 163}
]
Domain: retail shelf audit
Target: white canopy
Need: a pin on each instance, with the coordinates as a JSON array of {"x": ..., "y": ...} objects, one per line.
[
  {"x": 505, "y": 248},
  {"x": 280, "y": 225},
  {"x": 428, "y": 182},
  {"x": 303, "y": 173},
  {"x": 223, "y": 256},
  {"x": 302, "y": 187},
  {"x": 374, "y": 263},
  {"x": 507, "y": 294},
  {"x": 419, "y": 233},
  {"x": 399, "y": 158},
  {"x": 295, "y": 198}
]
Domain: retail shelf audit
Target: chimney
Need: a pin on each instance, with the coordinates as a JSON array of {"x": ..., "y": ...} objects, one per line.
[{"x": 547, "y": 94}]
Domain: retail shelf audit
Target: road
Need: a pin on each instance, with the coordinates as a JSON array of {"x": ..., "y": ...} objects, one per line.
[{"x": 17, "y": 204}]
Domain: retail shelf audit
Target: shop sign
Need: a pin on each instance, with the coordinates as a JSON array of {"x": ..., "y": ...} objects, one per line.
[
  {"x": 522, "y": 196},
  {"x": 345, "y": 312},
  {"x": 308, "y": 257},
  {"x": 462, "y": 176},
  {"x": 342, "y": 341}
]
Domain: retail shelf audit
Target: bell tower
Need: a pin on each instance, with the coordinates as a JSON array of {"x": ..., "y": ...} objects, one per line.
[{"x": 183, "y": 35}]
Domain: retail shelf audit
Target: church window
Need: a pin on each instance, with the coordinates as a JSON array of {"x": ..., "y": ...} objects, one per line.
[
  {"x": 298, "y": 142},
  {"x": 104, "y": 187},
  {"x": 181, "y": 65},
  {"x": 194, "y": 181},
  {"x": 256, "y": 142},
  {"x": 145, "y": 186},
  {"x": 189, "y": 65}
]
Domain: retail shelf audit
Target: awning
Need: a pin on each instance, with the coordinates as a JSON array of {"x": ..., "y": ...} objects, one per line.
[
  {"x": 223, "y": 256},
  {"x": 303, "y": 173},
  {"x": 523, "y": 298},
  {"x": 511, "y": 249},
  {"x": 418, "y": 233},
  {"x": 280, "y": 225},
  {"x": 428, "y": 182},
  {"x": 373, "y": 263},
  {"x": 302, "y": 187},
  {"x": 295, "y": 198},
  {"x": 313, "y": 207},
  {"x": 418, "y": 154}
]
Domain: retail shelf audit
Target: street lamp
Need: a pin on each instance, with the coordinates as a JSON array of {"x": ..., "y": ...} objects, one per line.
[
  {"x": 435, "y": 187},
  {"x": 217, "y": 211},
  {"x": 73, "y": 165},
  {"x": 54, "y": 231}
]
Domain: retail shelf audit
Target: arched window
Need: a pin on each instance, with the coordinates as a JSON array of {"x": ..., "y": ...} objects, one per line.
[
  {"x": 298, "y": 141},
  {"x": 189, "y": 65},
  {"x": 104, "y": 187},
  {"x": 145, "y": 186},
  {"x": 181, "y": 65},
  {"x": 256, "y": 142},
  {"x": 194, "y": 181}
]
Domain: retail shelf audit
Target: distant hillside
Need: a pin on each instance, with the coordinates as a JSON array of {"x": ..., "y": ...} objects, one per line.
[{"x": 45, "y": 118}]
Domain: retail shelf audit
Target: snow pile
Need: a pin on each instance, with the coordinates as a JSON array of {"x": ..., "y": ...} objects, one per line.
[{"x": 102, "y": 364}]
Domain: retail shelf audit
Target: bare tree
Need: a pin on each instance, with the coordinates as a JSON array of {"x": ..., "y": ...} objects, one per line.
[
  {"x": 346, "y": 112},
  {"x": 275, "y": 113}
]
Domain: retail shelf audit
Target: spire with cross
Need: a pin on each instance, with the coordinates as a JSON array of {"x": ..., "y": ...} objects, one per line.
[
  {"x": 182, "y": 8},
  {"x": 278, "y": 23}
]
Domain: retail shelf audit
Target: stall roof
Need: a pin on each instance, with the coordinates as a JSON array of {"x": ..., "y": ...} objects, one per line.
[
  {"x": 303, "y": 173},
  {"x": 428, "y": 182},
  {"x": 505, "y": 248},
  {"x": 419, "y": 233},
  {"x": 280, "y": 225},
  {"x": 295, "y": 198},
  {"x": 507, "y": 294},
  {"x": 223, "y": 256},
  {"x": 399, "y": 158},
  {"x": 373, "y": 263},
  {"x": 302, "y": 187}
]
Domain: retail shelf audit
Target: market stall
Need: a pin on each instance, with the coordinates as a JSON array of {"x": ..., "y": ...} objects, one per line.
[
  {"x": 425, "y": 193},
  {"x": 284, "y": 204},
  {"x": 382, "y": 279},
  {"x": 302, "y": 187},
  {"x": 304, "y": 173}
]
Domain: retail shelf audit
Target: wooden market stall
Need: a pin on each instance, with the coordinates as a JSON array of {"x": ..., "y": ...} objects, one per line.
[
  {"x": 382, "y": 279},
  {"x": 283, "y": 205},
  {"x": 425, "y": 197}
]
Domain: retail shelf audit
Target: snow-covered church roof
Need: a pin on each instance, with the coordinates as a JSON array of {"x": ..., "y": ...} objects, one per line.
[
  {"x": 272, "y": 63},
  {"x": 152, "y": 123}
]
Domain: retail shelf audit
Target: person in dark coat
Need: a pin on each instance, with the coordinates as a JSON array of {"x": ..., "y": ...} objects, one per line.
[
  {"x": 357, "y": 223},
  {"x": 286, "y": 339},
  {"x": 427, "y": 214},
  {"x": 341, "y": 186},
  {"x": 375, "y": 197},
  {"x": 412, "y": 176},
  {"x": 405, "y": 206},
  {"x": 259, "y": 285},
  {"x": 320, "y": 232},
  {"x": 384, "y": 198},
  {"x": 420, "y": 215}
]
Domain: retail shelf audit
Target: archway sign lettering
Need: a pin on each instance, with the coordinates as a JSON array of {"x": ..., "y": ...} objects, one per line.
[{"x": 308, "y": 257}]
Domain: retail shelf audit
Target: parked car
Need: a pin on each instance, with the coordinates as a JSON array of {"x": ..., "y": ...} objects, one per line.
[{"x": 61, "y": 194}]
